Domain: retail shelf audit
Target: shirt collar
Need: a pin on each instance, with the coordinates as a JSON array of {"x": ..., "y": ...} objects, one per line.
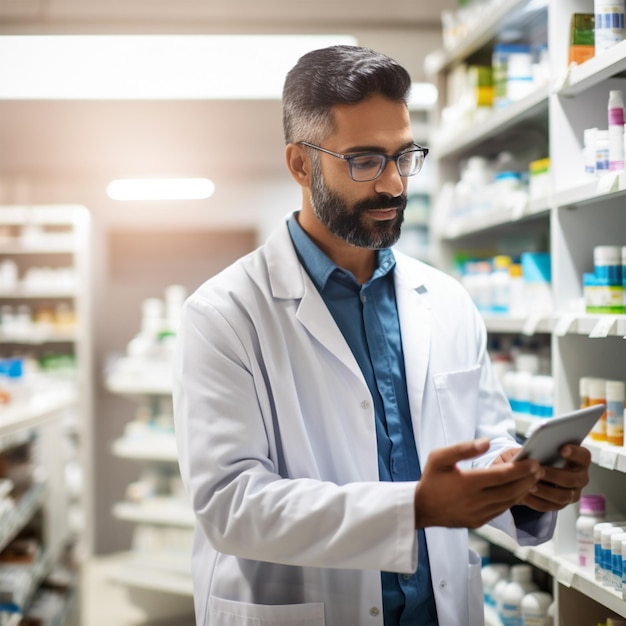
[{"x": 319, "y": 266}]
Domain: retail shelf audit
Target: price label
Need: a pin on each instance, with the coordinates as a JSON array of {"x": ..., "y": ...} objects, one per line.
[
  {"x": 531, "y": 323},
  {"x": 603, "y": 327},
  {"x": 608, "y": 183},
  {"x": 563, "y": 325},
  {"x": 565, "y": 575},
  {"x": 608, "y": 458}
]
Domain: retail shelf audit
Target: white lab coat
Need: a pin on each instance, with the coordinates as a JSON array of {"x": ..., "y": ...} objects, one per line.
[{"x": 277, "y": 446}]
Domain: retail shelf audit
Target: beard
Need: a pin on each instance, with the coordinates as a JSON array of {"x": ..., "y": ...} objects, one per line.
[{"x": 350, "y": 223}]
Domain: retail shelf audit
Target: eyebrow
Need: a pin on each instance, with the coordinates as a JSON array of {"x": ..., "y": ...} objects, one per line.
[{"x": 378, "y": 149}]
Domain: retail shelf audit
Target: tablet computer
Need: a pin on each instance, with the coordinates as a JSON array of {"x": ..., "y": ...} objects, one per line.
[{"x": 544, "y": 443}]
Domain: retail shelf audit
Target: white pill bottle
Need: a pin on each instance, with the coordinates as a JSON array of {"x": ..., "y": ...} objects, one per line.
[
  {"x": 591, "y": 512},
  {"x": 512, "y": 595},
  {"x": 535, "y": 609}
]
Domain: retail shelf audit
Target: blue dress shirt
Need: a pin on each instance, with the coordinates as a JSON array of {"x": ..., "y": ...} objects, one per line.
[{"x": 368, "y": 319}]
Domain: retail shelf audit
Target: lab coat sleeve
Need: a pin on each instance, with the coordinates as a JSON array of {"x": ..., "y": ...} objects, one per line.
[{"x": 230, "y": 464}]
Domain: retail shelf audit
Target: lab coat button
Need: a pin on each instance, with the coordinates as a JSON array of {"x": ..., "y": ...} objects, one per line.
[
  {"x": 442, "y": 584},
  {"x": 365, "y": 404},
  {"x": 374, "y": 611}
]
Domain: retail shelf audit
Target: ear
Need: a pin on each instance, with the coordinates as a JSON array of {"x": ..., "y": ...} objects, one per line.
[{"x": 299, "y": 164}]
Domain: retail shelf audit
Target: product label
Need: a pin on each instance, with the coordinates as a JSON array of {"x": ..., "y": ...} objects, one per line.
[
  {"x": 510, "y": 615},
  {"x": 615, "y": 423}
]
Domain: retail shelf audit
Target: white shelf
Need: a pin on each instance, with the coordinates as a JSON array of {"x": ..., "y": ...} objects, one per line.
[
  {"x": 456, "y": 228},
  {"x": 37, "y": 338},
  {"x": 140, "y": 376},
  {"x": 580, "y": 78},
  {"x": 56, "y": 400},
  {"x": 131, "y": 571},
  {"x": 593, "y": 326},
  {"x": 593, "y": 192},
  {"x": 170, "y": 514},
  {"x": 509, "y": 11},
  {"x": 533, "y": 106},
  {"x": 519, "y": 325},
  {"x": 581, "y": 344},
  {"x": 44, "y": 247},
  {"x": 39, "y": 294},
  {"x": 139, "y": 386},
  {"x": 40, "y": 214},
  {"x": 37, "y": 410},
  {"x": 150, "y": 448},
  {"x": 12, "y": 522},
  {"x": 562, "y": 567}
]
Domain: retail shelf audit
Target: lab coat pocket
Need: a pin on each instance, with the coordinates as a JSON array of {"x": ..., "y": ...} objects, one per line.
[
  {"x": 475, "y": 590},
  {"x": 230, "y": 613},
  {"x": 457, "y": 397}
]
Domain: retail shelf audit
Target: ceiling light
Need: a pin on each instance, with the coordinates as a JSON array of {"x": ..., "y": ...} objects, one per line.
[
  {"x": 160, "y": 189},
  {"x": 151, "y": 66}
]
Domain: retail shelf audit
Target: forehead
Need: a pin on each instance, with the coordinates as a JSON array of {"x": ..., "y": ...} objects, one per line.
[{"x": 376, "y": 121}]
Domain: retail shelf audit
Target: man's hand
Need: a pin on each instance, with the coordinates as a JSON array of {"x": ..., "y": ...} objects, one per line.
[
  {"x": 449, "y": 496},
  {"x": 560, "y": 486}
]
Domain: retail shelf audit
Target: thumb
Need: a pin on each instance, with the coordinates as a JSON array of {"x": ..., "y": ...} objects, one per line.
[{"x": 447, "y": 458}]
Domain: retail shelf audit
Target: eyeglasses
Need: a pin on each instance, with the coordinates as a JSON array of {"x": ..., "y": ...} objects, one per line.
[{"x": 366, "y": 167}]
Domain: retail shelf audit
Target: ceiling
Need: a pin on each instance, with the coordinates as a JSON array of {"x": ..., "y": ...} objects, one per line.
[
  {"x": 244, "y": 15},
  {"x": 214, "y": 138}
]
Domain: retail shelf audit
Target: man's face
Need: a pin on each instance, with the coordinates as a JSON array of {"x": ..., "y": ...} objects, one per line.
[
  {"x": 349, "y": 220},
  {"x": 364, "y": 214}
]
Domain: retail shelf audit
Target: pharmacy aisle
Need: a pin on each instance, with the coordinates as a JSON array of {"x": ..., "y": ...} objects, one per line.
[{"x": 530, "y": 215}]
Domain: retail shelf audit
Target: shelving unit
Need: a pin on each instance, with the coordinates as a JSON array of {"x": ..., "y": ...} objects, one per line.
[
  {"x": 578, "y": 213},
  {"x": 159, "y": 561},
  {"x": 38, "y": 424},
  {"x": 45, "y": 320}
]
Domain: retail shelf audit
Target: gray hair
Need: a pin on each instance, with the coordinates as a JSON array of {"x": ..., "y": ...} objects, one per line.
[{"x": 336, "y": 75}]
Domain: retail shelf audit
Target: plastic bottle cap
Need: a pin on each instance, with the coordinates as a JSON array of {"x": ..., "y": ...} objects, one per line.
[
  {"x": 597, "y": 389},
  {"x": 592, "y": 503},
  {"x": 615, "y": 391},
  {"x": 607, "y": 255}
]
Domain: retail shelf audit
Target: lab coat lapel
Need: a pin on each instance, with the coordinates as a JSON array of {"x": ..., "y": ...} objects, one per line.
[
  {"x": 289, "y": 280},
  {"x": 414, "y": 312}
]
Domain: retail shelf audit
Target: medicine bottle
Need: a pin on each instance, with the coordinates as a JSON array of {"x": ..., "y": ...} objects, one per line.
[
  {"x": 602, "y": 152},
  {"x": 535, "y": 607},
  {"x": 521, "y": 584},
  {"x": 583, "y": 391},
  {"x": 592, "y": 511},
  {"x": 607, "y": 264},
  {"x": 491, "y": 575},
  {"x": 606, "y": 558},
  {"x": 616, "y": 561},
  {"x": 597, "y": 395},
  {"x": 615, "y": 412},
  {"x": 597, "y": 548}
]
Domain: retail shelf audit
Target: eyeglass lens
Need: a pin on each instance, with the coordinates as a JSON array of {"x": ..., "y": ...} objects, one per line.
[{"x": 370, "y": 166}]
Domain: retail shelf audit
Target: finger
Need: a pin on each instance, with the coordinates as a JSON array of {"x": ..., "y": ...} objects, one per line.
[
  {"x": 566, "y": 478},
  {"x": 447, "y": 458},
  {"x": 513, "y": 492},
  {"x": 576, "y": 455},
  {"x": 507, "y": 455}
]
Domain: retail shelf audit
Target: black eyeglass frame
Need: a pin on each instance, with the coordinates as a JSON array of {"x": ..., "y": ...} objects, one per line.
[{"x": 393, "y": 157}]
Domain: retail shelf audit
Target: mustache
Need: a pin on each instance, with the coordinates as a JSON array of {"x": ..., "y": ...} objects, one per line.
[{"x": 379, "y": 203}]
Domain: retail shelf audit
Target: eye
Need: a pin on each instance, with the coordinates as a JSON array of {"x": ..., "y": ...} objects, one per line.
[{"x": 367, "y": 162}]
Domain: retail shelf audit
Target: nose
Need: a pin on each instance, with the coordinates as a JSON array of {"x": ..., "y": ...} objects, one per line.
[{"x": 390, "y": 182}]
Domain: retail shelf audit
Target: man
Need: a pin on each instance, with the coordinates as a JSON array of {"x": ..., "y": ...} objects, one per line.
[{"x": 338, "y": 421}]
